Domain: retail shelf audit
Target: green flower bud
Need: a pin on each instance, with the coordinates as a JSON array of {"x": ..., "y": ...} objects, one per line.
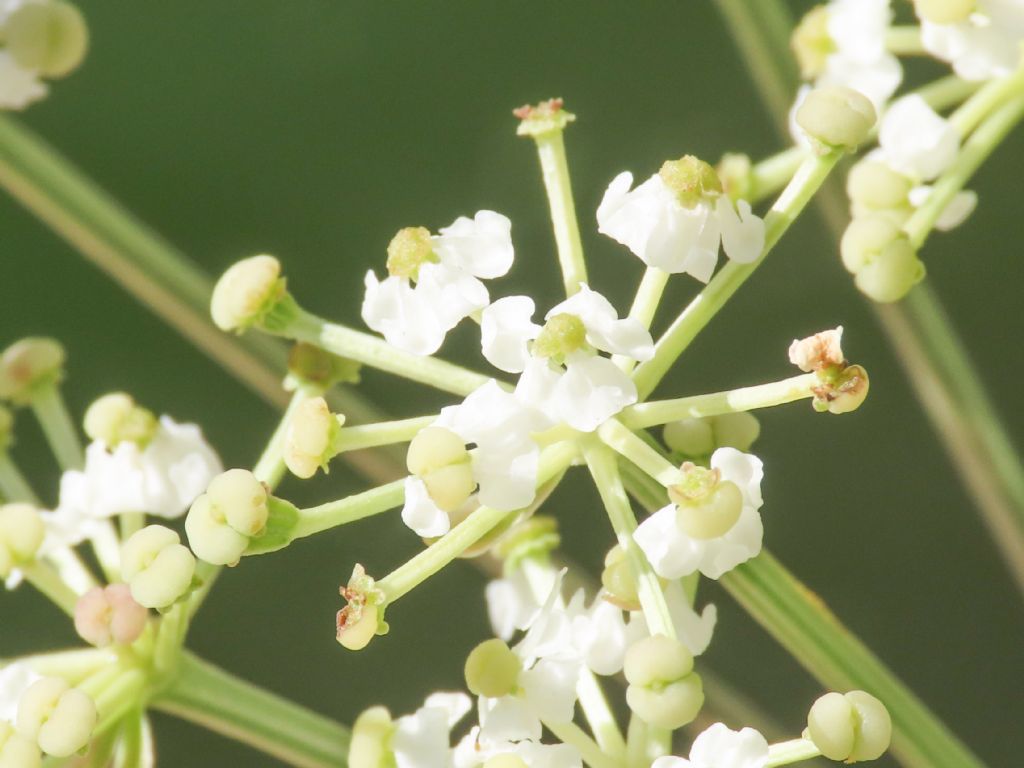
[
  {"x": 690, "y": 437},
  {"x": 944, "y": 11},
  {"x": 875, "y": 185},
  {"x": 736, "y": 430},
  {"x": 6, "y": 428},
  {"x": 50, "y": 38},
  {"x": 656, "y": 660},
  {"x": 492, "y": 669},
  {"x": 561, "y": 335},
  {"x": 59, "y": 718},
  {"x": 308, "y": 442},
  {"x": 836, "y": 116},
  {"x": 850, "y": 727},
  {"x": 891, "y": 275},
  {"x": 865, "y": 239},
  {"x": 157, "y": 567},
  {"x": 311, "y": 365},
  {"x": 697, "y": 438},
  {"x": 692, "y": 180},
  {"x": 247, "y": 292},
  {"x": 115, "y": 418},
  {"x": 619, "y": 582},
  {"x": 663, "y": 688},
  {"x": 439, "y": 458},
  {"x": 371, "y": 740},
  {"x": 811, "y": 42},
  {"x": 221, "y": 522},
  {"x": 734, "y": 171},
  {"x": 408, "y": 251},
  {"x": 21, "y": 534},
  {"x": 16, "y": 751},
  {"x": 706, "y": 506},
  {"x": 27, "y": 365}
]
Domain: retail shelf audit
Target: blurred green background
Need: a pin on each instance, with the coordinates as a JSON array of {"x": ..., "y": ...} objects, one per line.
[{"x": 314, "y": 130}]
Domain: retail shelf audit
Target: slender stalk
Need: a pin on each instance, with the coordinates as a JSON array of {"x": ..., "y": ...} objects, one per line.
[
  {"x": 794, "y": 751},
  {"x": 356, "y": 507},
  {"x": 43, "y": 577},
  {"x": 571, "y": 734},
  {"x": 135, "y": 748},
  {"x": 13, "y": 485},
  {"x": 994, "y": 94},
  {"x": 794, "y": 198},
  {"x": 630, "y": 445},
  {"x": 118, "y": 698},
  {"x": 385, "y": 433},
  {"x": 904, "y": 41},
  {"x": 645, "y": 305},
  {"x": 53, "y": 416},
  {"x": 74, "y": 665},
  {"x": 221, "y": 702}
]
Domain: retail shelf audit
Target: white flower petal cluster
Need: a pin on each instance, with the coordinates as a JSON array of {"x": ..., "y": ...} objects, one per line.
[
  {"x": 674, "y": 554},
  {"x": 663, "y": 233},
  {"x": 860, "y": 61},
  {"x": 720, "y": 747},
  {"x": 415, "y": 315},
  {"x": 984, "y": 45},
  {"x": 15, "y": 679},
  {"x": 423, "y": 739}
]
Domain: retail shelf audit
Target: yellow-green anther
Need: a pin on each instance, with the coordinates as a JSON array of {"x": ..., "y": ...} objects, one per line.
[
  {"x": 561, "y": 335},
  {"x": 945, "y": 11},
  {"x": 50, "y": 38},
  {"x": 21, "y": 534},
  {"x": 27, "y": 365},
  {"x": 850, "y": 727},
  {"x": 620, "y": 588},
  {"x": 492, "y": 669},
  {"x": 664, "y": 691},
  {"x": 811, "y": 42},
  {"x": 371, "y": 738},
  {"x": 691, "y": 179},
  {"x": 115, "y": 418},
  {"x": 309, "y": 437},
  {"x": 408, "y": 250},
  {"x": 836, "y": 116}
]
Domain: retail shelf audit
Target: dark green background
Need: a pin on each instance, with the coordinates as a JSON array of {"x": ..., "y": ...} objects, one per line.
[{"x": 314, "y": 129}]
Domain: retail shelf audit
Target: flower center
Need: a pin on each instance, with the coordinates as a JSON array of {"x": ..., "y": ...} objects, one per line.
[
  {"x": 561, "y": 335},
  {"x": 408, "y": 251},
  {"x": 691, "y": 179}
]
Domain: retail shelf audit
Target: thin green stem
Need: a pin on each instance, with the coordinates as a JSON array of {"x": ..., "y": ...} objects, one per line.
[
  {"x": 630, "y": 445},
  {"x": 636, "y": 744},
  {"x": 592, "y": 754},
  {"x": 13, "y": 485},
  {"x": 43, "y": 577},
  {"x": 994, "y": 94},
  {"x": 657, "y": 412},
  {"x": 904, "y": 41},
  {"x": 343, "y": 511},
  {"x": 167, "y": 649},
  {"x": 135, "y": 749},
  {"x": 119, "y": 697},
  {"x": 555, "y": 170},
  {"x": 793, "y": 751},
  {"x": 645, "y": 305},
  {"x": 362, "y": 436},
  {"x": 221, "y": 702},
  {"x": 53, "y": 416},
  {"x": 794, "y": 198},
  {"x": 74, "y": 665}
]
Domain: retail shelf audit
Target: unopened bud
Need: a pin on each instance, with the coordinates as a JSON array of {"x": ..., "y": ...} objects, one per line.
[
  {"x": 492, "y": 669},
  {"x": 706, "y": 506},
  {"x": 246, "y": 293},
  {"x": 891, "y": 275},
  {"x": 312, "y": 365},
  {"x": 408, "y": 250},
  {"x": 221, "y": 522},
  {"x": 811, "y": 42},
  {"x": 841, "y": 391},
  {"x": 697, "y": 438},
  {"x": 618, "y": 581},
  {"x": 850, "y": 727},
  {"x": 115, "y": 419},
  {"x": 308, "y": 440},
  {"x": 59, "y": 718},
  {"x": 371, "y": 739},
  {"x": 16, "y": 751},
  {"x": 872, "y": 185},
  {"x": 817, "y": 352},
  {"x": 157, "y": 567},
  {"x": 690, "y": 437},
  {"x": 663, "y": 688},
  {"x": 735, "y": 430},
  {"x": 439, "y": 458},
  {"x": 836, "y": 116},
  {"x": 735, "y": 172},
  {"x": 21, "y": 534},
  {"x": 691, "y": 179},
  {"x": 106, "y": 615},
  {"x": 50, "y": 38},
  {"x": 945, "y": 11},
  {"x": 866, "y": 239},
  {"x": 27, "y": 365},
  {"x": 561, "y": 335}
]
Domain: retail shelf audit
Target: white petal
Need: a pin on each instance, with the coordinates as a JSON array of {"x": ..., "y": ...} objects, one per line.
[
  {"x": 915, "y": 140},
  {"x": 744, "y": 469},
  {"x": 720, "y": 747},
  {"x": 508, "y": 479},
  {"x": 673, "y": 762},
  {"x": 550, "y": 689},
  {"x": 693, "y": 629},
  {"x": 396, "y": 310},
  {"x": 985, "y": 45},
  {"x": 505, "y": 328},
  {"x": 670, "y": 552},
  {"x": 507, "y": 719},
  {"x": 19, "y": 87},
  {"x": 481, "y": 246},
  {"x": 422, "y": 740},
  {"x": 600, "y": 634},
  {"x": 456, "y": 705},
  {"x": 452, "y": 293},
  {"x": 420, "y": 513},
  {"x": 537, "y": 385},
  {"x": 15, "y": 678},
  {"x": 510, "y": 604},
  {"x": 605, "y": 330},
  {"x": 592, "y": 390},
  {"x": 178, "y": 464},
  {"x": 956, "y": 211},
  {"x": 858, "y": 27},
  {"x": 742, "y": 233}
]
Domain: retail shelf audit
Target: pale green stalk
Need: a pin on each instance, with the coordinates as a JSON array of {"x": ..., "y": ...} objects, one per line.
[
  {"x": 593, "y": 756},
  {"x": 167, "y": 649},
  {"x": 636, "y": 744},
  {"x": 343, "y": 511},
  {"x": 43, "y": 577},
  {"x": 630, "y": 445},
  {"x": 73, "y": 665},
  {"x": 13, "y": 485},
  {"x": 118, "y": 698},
  {"x": 904, "y": 41},
  {"x": 645, "y": 306},
  {"x": 657, "y": 412},
  {"x": 135, "y": 747},
  {"x": 220, "y": 702},
  {"x": 794, "y": 198},
  {"x": 53, "y": 416},
  {"x": 385, "y": 433},
  {"x": 794, "y": 751},
  {"x": 994, "y": 94},
  {"x": 101, "y": 752}
]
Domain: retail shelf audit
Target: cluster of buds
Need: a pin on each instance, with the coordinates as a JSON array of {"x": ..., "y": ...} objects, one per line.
[
  {"x": 223, "y": 521},
  {"x": 52, "y": 718},
  {"x": 663, "y": 688},
  {"x": 157, "y": 567}
]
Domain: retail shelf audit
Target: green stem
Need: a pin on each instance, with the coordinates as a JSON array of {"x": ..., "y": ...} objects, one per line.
[
  {"x": 994, "y": 94},
  {"x": 13, "y": 485},
  {"x": 630, "y": 445},
  {"x": 334, "y": 513},
  {"x": 118, "y": 698},
  {"x": 808, "y": 178},
  {"x": 904, "y": 41},
  {"x": 221, "y": 702},
  {"x": 571, "y": 734},
  {"x": 74, "y": 665},
  {"x": 645, "y": 305},
  {"x": 43, "y": 577},
  {"x": 794, "y": 751},
  {"x": 385, "y": 433},
  {"x": 53, "y": 416},
  {"x": 555, "y": 169},
  {"x": 270, "y": 467},
  {"x": 657, "y": 412},
  {"x": 135, "y": 750}
]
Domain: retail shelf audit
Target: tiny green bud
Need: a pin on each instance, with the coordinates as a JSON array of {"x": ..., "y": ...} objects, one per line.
[
  {"x": 311, "y": 365},
  {"x": 50, "y": 38},
  {"x": 561, "y": 335},
  {"x": 115, "y": 419},
  {"x": 157, "y": 567},
  {"x": 945, "y": 11},
  {"x": 21, "y": 534},
  {"x": 891, "y": 275},
  {"x": 246, "y": 293},
  {"x": 439, "y": 458},
  {"x": 371, "y": 738},
  {"x": 29, "y": 364},
  {"x": 409, "y": 249},
  {"x": 655, "y": 660},
  {"x": 492, "y": 669},
  {"x": 690, "y": 437},
  {"x": 663, "y": 688},
  {"x": 850, "y": 727},
  {"x": 865, "y": 239},
  {"x": 736, "y": 430},
  {"x": 836, "y": 116},
  {"x": 734, "y": 171},
  {"x": 691, "y": 179},
  {"x": 6, "y": 428},
  {"x": 811, "y": 42},
  {"x": 533, "y": 537},
  {"x": 309, "y": 437},
  {"x": 706, "y": 506},
  {"x": 59, "y": 718},
  {"x": 537, "y": 120},
  {"x": 618, "y": 580},
  {"x": 221, "y": 522},
  {"x": 16, "y": 751},
  {"x": 874, "y": 185}
]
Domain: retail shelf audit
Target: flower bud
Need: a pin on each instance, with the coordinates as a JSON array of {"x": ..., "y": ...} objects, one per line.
[
  {"x": 106, "y": 615},
  {"x": 59, "y": 718},
  {"x": 492, "y": 669},
  {"x": 691, "y": 179},
  {"x": 246, "y": 293},
  {"x": 811, "y": 42},
  {"x": 836, "y": 116},
  {"x": 663, "y": 688},
  {"x": 115, "y": 419},
  {"x": 21, "y": 534},
  {"x": 371, "y": 738},
  {"x": 221, "y": 522},
  {"x": 875, "y": 186},
  {"x": 16, "y": 751},
  {"x": 865, "y": 239},
  {"x": 736, "y": 430},
  {"x": 309, "y": 437},
  {"x": 408, "y": 250},
  {"x": 157, "y": 567},
  {"x": 6, "y": 428},
  {"x": 27, "y": 365},
  {"x": 944, "y": 11},
  {"x": 50, "y": 38},
  {"x": 842, "y": 391},
  {"x": 849, "y": 727},
  {"x": 619, "y": 582},
  {"x": 697, "y": 438},
  {"x": 690, "y": 437},
  {"x": 439, "y": 458},
  {"x": 561, "y": 335},
  {"x": 891, "y": 275},
  {"x": 312, "y": 365},
  {"x": 706, "y": 506},
  {"x": 734, "y": 171}
]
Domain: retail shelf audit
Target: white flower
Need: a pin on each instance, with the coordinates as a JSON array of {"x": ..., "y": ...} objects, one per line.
[
  {"x": 860, "y": 61},
  {"x": 983, "y": 46},
  {"x": 599, "y": 634},
  {"x": 19, "y": 87},
  {"x": 506, "y": 328},
  {"x": 674, "y": 554},
  {"x": 423, "y": 739},
  {"x": 694, "y": 630},
  {"x": 916, "y": 141},
  {"x": 511, "y": 604},
  {"x": 652, "y": 222},
  {"x": 420, "y": 512},
  {"x": 956, "y": 211},
  {"x": 720, "y": 747},
  {"x": 15, "y": 678},
  {"x": 416, "y": 318},
  {"x": 473, "y": 751}
]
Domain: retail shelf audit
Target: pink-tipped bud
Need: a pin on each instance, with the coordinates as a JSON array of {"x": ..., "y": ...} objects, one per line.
[{"x": 106, "y": 615}]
